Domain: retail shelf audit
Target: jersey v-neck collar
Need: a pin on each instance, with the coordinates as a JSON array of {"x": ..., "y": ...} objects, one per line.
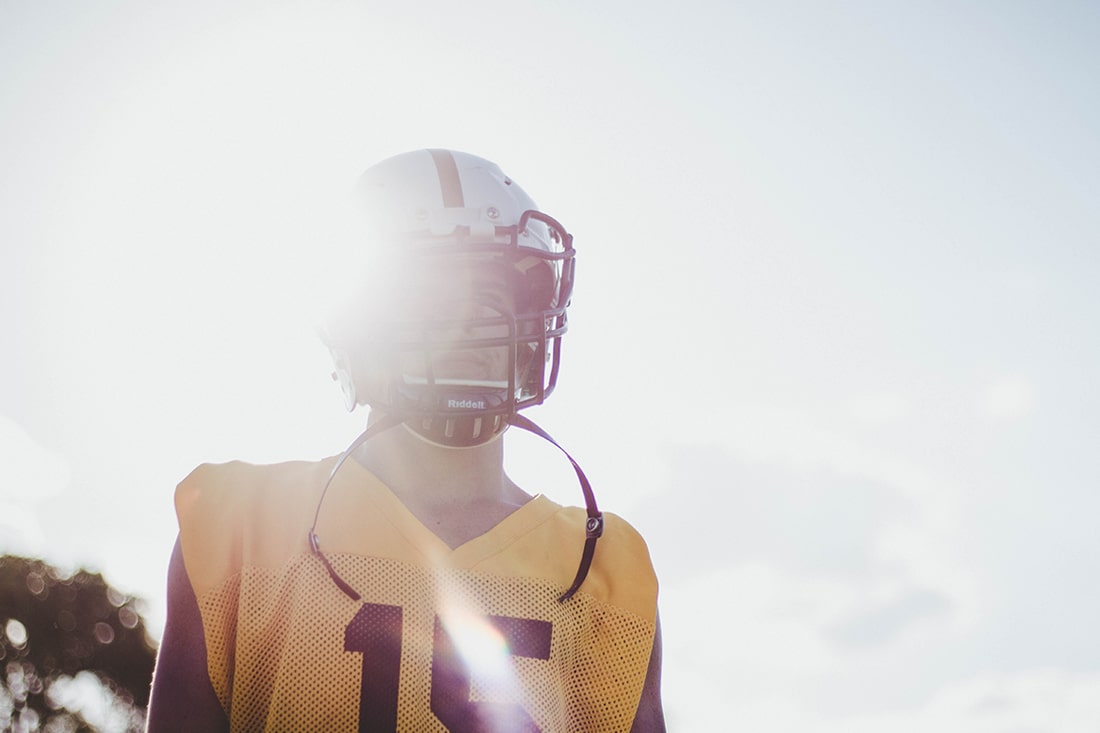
[{"x": 434, "y": 550}]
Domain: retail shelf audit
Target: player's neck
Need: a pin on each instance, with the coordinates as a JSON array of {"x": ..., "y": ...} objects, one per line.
[{"x": 421, "y": 473}]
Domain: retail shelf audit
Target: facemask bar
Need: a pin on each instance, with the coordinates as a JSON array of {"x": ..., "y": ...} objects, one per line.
[
  {"x": 526, "y": 379},
  {"x": 534, "y": 326}
]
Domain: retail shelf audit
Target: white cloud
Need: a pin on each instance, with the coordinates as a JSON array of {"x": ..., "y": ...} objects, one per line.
[
  {"x": 20, "y": 531},
  {"x": 880, "y": 408},
  {"x": 798, "y": 438},
  {"x": 754, "y": 648},
  {"x": 1009, "y": 397},
  {"x": 1039, "y": 701},
  {"x": 28, "y": 471},
  {"x": 751, "y": 617}
]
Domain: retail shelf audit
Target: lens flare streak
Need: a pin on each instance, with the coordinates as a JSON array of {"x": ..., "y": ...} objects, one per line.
[{"x": 484, "y": 652}]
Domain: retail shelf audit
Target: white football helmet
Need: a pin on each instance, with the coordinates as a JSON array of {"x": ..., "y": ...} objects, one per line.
[{"x": 406, "y": 342}]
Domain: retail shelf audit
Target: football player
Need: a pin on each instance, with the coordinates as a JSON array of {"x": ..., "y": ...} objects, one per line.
[{"x": 409, "y": 584}]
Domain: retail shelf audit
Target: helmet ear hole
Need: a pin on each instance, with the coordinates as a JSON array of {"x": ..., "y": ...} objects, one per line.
[{"x": 342, "y": 373}]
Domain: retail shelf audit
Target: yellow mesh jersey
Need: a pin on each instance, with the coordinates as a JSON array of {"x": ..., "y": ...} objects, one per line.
[{"x": 463, "y": 639}]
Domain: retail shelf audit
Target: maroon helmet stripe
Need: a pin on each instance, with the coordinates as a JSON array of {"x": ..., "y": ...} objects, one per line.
[{"x": 449, "y": 181}]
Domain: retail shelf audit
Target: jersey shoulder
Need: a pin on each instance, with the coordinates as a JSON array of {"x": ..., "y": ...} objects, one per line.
[
  {"x": 621, "y": 574},
  {"x": 217, "y": 506}
]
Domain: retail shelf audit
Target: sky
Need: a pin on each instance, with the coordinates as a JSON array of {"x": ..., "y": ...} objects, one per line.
[{"x": 832, "y": 347}]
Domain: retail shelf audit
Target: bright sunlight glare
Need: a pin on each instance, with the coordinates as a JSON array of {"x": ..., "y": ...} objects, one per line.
[
  {"x": 482, "y": 649},
  {"x": 230, "y": 254}
]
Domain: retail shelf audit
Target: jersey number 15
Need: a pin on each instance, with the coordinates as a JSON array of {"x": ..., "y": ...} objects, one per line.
[{"x": 375, "y": 632}]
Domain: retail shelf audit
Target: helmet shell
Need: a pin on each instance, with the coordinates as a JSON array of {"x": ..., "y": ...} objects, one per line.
[{"x": 443, "y": 208}]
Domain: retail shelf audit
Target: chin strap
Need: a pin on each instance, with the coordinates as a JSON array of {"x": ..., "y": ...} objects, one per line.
[
  {"x": 388, "y": 421},
  {"x": 593, "y": 528}
]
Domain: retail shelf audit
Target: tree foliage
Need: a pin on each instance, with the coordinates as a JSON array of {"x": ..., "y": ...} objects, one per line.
[{"x": 56, "y": 632}]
